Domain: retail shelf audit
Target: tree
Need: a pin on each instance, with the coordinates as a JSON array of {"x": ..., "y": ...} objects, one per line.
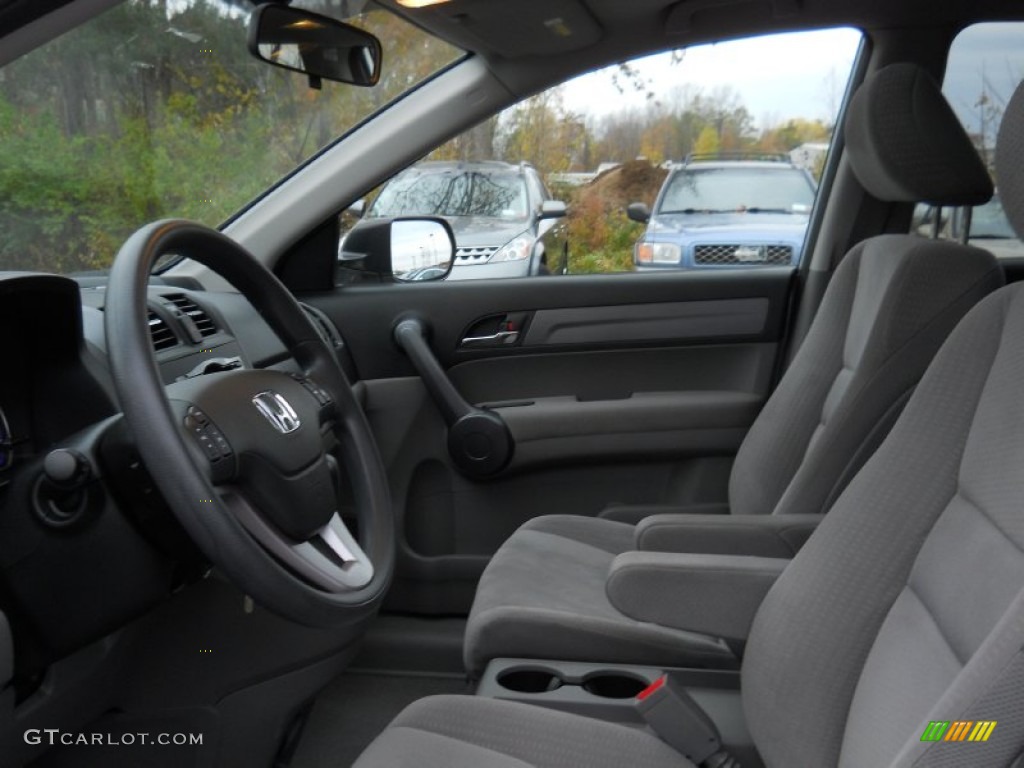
[
  {"x": 793, "y": 133},
  {"x": 542, "y": 132},
  {"x": 478, "y": 143},
  {"x": 157, "y": 109},
  {"x": 669, "y": 129},
  {"x": 707, "y": 142}
]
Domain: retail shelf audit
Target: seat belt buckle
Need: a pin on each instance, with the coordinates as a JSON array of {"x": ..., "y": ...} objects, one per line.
[{"x": 678, "y": 720}]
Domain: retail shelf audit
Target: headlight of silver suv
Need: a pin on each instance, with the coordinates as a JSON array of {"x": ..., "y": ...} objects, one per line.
[{"x": 515, "y": 250}]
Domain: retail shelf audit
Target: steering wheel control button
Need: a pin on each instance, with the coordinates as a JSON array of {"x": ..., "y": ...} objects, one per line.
[
  {"x": 197, "y": 416},
  {"x": 211, "y": 440},
  {"x": 320, "y": 394},
  {"x": 315, "y": 390},
  {"x": 211, "y": 450},
  {"x": 222, "y": 445}
]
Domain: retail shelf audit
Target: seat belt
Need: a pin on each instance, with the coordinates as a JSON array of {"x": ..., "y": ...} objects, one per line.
[{"x": 681, "y": 723}]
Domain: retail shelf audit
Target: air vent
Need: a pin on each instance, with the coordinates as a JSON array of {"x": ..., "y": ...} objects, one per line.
[
  {"x": 204, "y": 324},
  {"x": 161, "y": 334}
]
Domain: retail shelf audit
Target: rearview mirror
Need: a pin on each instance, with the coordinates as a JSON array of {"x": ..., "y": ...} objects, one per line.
[
  {"x": 404, "y": 250},
  {"x": 315, "y": 45}
]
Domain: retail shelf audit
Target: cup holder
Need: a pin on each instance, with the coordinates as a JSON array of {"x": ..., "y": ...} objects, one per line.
[
  {"x": 608, "y": 685},
  {"x": 530, "y": 680}
]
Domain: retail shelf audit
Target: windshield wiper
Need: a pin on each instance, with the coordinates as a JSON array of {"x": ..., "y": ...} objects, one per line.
[
  {"x": 700, "y": 210},
  {"x": 757, "y": 209}
]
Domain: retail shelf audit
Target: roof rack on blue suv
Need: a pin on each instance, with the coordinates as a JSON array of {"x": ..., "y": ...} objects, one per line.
[
  {"x": 726, "y": 210},
  {"x": 768, "y": 157}
]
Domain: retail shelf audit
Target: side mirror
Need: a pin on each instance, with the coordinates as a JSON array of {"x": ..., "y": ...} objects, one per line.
[
  {"x": 552, "y": 209},
  {"x": 404, "y": 250},
  {"x": 357, "y": 209},
  {"x": 315, "y": 45},
  {"x": 638, "y": 212}
]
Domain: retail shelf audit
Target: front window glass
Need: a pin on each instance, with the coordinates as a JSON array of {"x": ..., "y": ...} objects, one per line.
[
  {"x": 989, "y": 221},
  {"x": 156, "y": 109},
  {"x": 986, "y": 62},
  {"x": 595, "y": 145}
]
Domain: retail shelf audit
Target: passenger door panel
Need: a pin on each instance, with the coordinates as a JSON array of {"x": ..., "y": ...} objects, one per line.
[{"x": 630, "y": 388}]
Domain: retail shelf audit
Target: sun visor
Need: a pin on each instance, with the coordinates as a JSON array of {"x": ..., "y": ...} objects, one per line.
[{"x": 511, "y": 29}]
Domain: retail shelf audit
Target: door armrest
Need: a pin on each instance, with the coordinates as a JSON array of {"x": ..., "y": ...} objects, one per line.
[
  {"x": 713, "y": 594},
  {"x": 759, "y": 535}
]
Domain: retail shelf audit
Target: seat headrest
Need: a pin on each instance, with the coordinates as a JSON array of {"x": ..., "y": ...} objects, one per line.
[
  {"x": 1010, "y": 161},
  {"x": 906, "y": 145}
]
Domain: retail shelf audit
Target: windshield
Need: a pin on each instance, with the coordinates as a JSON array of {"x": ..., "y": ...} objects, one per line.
[
  {"x": 726, "y": 190},
  {"x": 453, "y": 193},
  {"x": 156, "y": 109}
]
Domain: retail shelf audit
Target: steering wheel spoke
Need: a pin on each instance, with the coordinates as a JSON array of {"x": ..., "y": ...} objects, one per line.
[{"x": 331, "y": 559}]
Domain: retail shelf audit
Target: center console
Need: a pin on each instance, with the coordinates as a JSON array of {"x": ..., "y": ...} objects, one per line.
[{"x": 609, "y": 692}]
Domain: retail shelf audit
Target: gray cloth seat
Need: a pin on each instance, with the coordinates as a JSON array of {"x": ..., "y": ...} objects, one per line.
[
  {"x": 544, "y": 596},
  {"x": 905, "y": 607},
  {"x": 890, "y": 305},
  {"x": 464, "y": 732}
]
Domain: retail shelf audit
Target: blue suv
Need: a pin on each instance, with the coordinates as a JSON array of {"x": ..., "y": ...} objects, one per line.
[{"x": 726, "y": 211}]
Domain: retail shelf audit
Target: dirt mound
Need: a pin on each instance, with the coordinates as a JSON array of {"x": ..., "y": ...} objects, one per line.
[
  {"x": 600, "y": 236},
  {"x": 634, "y": 182}
]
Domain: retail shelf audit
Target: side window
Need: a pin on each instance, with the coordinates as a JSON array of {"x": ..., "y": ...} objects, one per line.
[
  {"x": 986, "y": 62},
  {"x": 698, "y": 159}
]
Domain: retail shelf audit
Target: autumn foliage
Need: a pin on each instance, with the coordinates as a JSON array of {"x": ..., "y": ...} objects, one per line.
[{"x": 600, "y": 236}]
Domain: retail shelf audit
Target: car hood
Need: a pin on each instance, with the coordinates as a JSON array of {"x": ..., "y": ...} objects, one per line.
[
  {"x": 737, "y": 227},
  {"x": 1004, "y": 248},
  {"x": 473, "y": 231}
]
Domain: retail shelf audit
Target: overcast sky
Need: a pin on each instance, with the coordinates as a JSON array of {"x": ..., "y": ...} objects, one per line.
[
  {"x": 777, "y": 77},
  {"x": 805, "y": 74}
]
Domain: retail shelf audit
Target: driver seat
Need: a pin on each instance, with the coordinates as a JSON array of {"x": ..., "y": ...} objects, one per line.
[{"x": 905, "y": 606}]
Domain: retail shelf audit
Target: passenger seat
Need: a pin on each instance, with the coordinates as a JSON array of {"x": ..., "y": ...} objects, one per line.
[{"x": 890, "y": 305}]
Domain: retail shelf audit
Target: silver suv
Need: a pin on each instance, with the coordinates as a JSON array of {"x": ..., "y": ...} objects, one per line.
[{"x": 504, "y": 220}]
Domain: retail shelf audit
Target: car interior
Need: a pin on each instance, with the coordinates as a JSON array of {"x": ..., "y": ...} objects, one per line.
[{"x": 278, "y": 493}]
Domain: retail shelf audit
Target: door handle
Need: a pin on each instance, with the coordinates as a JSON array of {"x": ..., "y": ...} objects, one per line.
[
  {"x": 478, "y": 439},
  {"x": 491, "y": 340}
]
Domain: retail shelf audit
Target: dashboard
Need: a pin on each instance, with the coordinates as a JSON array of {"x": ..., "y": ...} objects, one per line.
[{"x": 86, "y": 542}]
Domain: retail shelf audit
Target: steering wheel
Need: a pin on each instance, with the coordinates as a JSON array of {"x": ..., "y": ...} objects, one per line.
[{"x": 241, "y": 456}]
